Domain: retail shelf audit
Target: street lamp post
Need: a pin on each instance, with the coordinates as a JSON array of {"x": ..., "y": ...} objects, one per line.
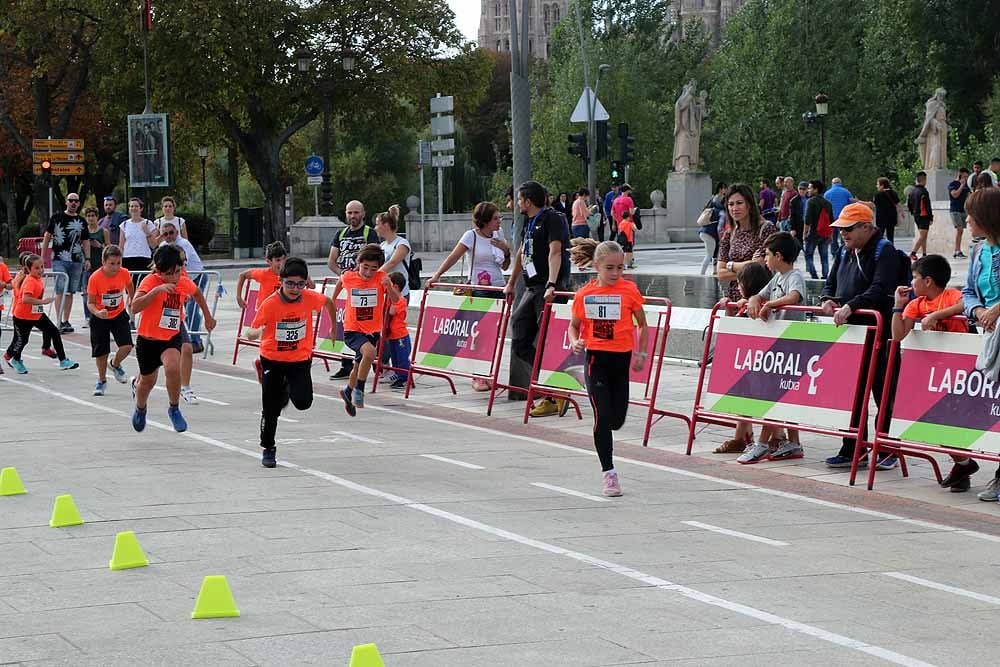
[
  {"x": 592, "y": 136},
  {"x": 203, "y": 154},
  {"x": 821, "y": 111}
]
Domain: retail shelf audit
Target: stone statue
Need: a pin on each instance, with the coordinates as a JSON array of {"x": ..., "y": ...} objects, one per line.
[
  {"x": 933, "y": 138},
  {"x": 689, "y": 112}
]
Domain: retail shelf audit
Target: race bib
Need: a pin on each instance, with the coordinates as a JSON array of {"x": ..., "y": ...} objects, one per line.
[
  {"x": 38, "y": 309},
  {"x": 603, "y": 307},
  {"x": 171, "y": 319},
  {"x": 364, "y": 298},
  {"x": 290, "y": 332},
  {"x": 111, "y": 300}
]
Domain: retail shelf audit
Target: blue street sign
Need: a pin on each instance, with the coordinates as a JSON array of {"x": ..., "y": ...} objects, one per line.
[{"x": 314, "y": 165}]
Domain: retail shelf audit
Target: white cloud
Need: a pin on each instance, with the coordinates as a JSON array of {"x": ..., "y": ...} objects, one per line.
[{"x": 467, "y": 16}]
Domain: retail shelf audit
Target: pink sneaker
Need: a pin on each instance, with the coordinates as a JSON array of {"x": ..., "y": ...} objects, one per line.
[
  {"x": 611, "y": 486},
  {"x": 479, "y": 384}
]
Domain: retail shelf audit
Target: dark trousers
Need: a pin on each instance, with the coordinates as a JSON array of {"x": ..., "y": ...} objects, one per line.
[
  {"x": 878, "y": 383},
  {"x": 890, "y": 233},
  {"x": 282, "y": 381},
  {"x": 525, "y": 323},
  {"x": 607, "y": 384},
  {"x": 23, "y": 329},
  {"x": 46, "y": 340}
]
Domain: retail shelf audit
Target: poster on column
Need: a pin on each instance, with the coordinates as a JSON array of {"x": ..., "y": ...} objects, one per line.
[
  {"x": 563, "y": 369},
  {"x": 459, "y": 333},
  {"x": 803, "y": 372},
  {"x": 941, "y": 399}
]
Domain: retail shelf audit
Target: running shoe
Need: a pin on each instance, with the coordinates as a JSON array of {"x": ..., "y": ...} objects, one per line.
[
  {"x": 177, "y": 419},
  {"x": 341, "y": 374},
  {"x": 913, "y": 257},
  {"x": 839, "y": 461},
  {"x": 139, "y": 419},
  {"x": 345, "y": 394},
  {"x": 119, "y": 373},
  {"x": 260, "y": 372},
  {"x": 86, "y": 324},
  {"x": 18, "y": 366},
  {"x": 960, "y": 255},
  {"x": 990, "y": 493},
  {"x": 100, "y": 387},
  {"x": 545, "y": 408},
  {"x": 66, "y": 327},
  {"x": 358, "y": 398},
  {"x": 960, "y": 472},
  {"x": 887, "y": 462},
  {"x": 187, "y": 393},
  {"x": 399, "y": 384},
  {"x": 754, "y": 453},
  {"x": 6, "y": 357},
  {"x": 787, "y": 450},
  {"x": 268, "y": 457},
  {"x": 611, "y": 486},
  {"x": 961, "y": 485},
  {"x": 68, "y": 364},
  {"x": 49, "y": 352}
]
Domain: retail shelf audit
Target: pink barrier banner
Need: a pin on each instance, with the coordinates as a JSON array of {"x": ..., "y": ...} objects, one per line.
[
  {"x": 330, "y": 337},
  {"x": 459, "y": 333},
  {"x": 941, "y": 399},
  {"x": 251, "y": 310},
  {"x": 806, "y": 372}
]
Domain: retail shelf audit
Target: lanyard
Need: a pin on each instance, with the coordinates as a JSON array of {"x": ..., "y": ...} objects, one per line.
[{"x": 529, "y": 233}]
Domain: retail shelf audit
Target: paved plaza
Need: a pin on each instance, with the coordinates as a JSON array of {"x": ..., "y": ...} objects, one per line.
[{"x": 450, "y": 538}]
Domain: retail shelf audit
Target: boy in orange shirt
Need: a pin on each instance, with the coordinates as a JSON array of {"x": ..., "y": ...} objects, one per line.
[
  {"x": 106, "y": 292},
  {"x": 626, "y": 237},
  {"x": 367, "y": 290},
  {"x": 160, "y": 298},
  {"x": 399, "y": 336},
  {"x": 268, "y": 278},
  {"x": 30, "y": 314},
  {"x": 284, "y": 325},
  {"x": 606, "y": 312}
]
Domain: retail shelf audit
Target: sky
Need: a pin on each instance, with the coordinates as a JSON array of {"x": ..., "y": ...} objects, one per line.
[{"x": 467, "y": 16}]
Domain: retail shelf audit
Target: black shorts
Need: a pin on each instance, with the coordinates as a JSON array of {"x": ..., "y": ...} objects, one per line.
[
  {"x": 923, "y": 223},
  {"x": 356, "y": 340},
  {"x": 101, "y": 332},
  {"x": 149, "y": 350}
]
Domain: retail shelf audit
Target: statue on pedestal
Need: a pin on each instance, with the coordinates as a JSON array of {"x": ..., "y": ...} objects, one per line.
[
  {"x": 689, "y": 113},
  {"x": 933, "y": 138}
]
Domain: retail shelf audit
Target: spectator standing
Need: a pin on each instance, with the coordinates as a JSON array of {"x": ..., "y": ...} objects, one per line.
[
  {"x": 169, "y": 208},
  {"x": 919, "y": 203},
  {"x": 817, "y": 230},
  {"x": 580, "y": 213},
  {"x": 709, "y": 233},
  {"x": 609, "y": 200},
  {"x": 784, "y": 211},
  {"x": 396, "y": 249},
  {"x": 797, "y": 211},
  {"x": 93, "y": 248},
  {"x": 766, "y": 198},
  {"x": 170, "y": 234},
  {"x": 622, "y": 203},
  {"x": 886, "y": 203},
  {"x": 139, "y": 236},
  {"x": 67, "y": 233},
  {"x": 744, "y": 243},
  {"x": 839, "y": 197},
  {"x": 977, "y": 169},
  {"x": 113, "y": 219},
  {"x": 958, "y": 192},
  {"x": 563, "y": 205},
  {"x": 995, "y": 170}
]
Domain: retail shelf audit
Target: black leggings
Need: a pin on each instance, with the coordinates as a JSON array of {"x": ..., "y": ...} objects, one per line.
[
  {"x": 22, "y": 331},
  {"x": 46, "y": 341},
  {"x": 607, "y": 383},
  {"x": 282, "y": 380}
]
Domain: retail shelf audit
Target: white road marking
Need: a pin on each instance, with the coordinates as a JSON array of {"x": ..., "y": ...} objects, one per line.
[
  {"x": 735, "y": 533},
  {"x": 570, "y": 492},
  {"x": 625, "y": 571},
  {"x": 359, "y": 438},
  {"x": 280, "y": 418},
  {"x": 200, "y": 398},
  {"x": 675, "y": 471},
  {"x": 943, "y": 587},
  {"x": 445, "y": 459}
]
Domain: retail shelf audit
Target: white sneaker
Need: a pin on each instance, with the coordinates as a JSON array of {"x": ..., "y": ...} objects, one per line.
[
  {"x": 755, "y": 452},
  {"x": 187, "y": 393}
]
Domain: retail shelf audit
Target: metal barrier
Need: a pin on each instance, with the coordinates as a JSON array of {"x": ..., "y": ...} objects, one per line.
[
  {"x": 557, "y": 372},
  {"x": 199, "y": 278},
  {"x": 802, "y": 375}
]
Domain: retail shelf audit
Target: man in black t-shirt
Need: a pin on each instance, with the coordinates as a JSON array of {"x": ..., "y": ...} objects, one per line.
[
  {"x": 344, "y": 249},
  {"x": 543, "y": 262},
  {"x": 66, "y": 232}
]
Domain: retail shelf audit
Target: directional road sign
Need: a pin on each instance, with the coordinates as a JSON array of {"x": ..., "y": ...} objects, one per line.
[
  {"x": 314, "y": 180},
  {"x": 57, "y": 144},
  {"x": 62, "y": 170},
  {"x": 444, "y": 160},
  {"x": 39, "y": 156}
]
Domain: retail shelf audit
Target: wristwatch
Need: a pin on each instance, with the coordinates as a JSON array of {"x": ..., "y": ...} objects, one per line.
[
  {"x": 729, "y": 266},
  {"x": 548, "y": 285}
]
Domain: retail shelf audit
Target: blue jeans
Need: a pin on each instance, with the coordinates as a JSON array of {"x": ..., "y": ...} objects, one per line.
[
  {"x": 813, "y": 242},
  {"x": 399, "y": 351},
  {"x": 74, "y": 270},
  {"x": 193, "y": 314}
]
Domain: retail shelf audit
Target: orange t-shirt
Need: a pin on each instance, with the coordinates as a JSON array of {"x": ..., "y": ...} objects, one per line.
[
  {"x": 605, "y": 315},
  {"x": 33, "y": 287},
  {"x": 397, "y": 322},
  {"x": 922, "y": 306},
  {"x": 109, "y": 291},
  {"x": 269, "y": 281},
  {"x": 161, "y": 319},
  {"x": 627, "y": 227},
  {"x": 288, "y": 327},
  {"x": 4, "y": 278},
  {"x": 16, "y": 289},
  {"x": 365, "y": 299}
]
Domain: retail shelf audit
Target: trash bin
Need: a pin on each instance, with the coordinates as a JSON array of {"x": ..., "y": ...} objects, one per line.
[{"x": 249, "y": 233}]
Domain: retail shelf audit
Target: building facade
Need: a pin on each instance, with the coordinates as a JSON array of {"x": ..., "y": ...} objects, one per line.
[
  {"x": 543, "y": 16},
  {"x": 713, "y": 13}
]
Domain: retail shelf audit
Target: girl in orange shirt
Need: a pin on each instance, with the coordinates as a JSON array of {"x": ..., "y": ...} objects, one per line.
[
  {"x": 606, "y": 312},
  {"x": 284, "y": 325},
  {"x": 15, "y": 288},
  {"x": 30, "y": 314}
]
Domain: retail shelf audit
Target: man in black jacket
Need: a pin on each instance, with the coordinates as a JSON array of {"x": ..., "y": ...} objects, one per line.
[
  {"x": 797, "y": 211},
  {"x": 816, "y": 229},
  {"x": 864, "y": 276}
]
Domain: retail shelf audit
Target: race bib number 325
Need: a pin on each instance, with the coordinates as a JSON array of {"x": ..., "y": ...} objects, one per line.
[{"x": 288, "y": 334}]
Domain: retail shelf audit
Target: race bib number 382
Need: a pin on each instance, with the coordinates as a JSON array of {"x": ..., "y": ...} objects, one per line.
[{"x": 171, "y": 319}]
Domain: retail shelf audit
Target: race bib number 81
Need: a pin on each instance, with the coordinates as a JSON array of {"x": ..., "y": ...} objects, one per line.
[{"x": 603, "y": 307}]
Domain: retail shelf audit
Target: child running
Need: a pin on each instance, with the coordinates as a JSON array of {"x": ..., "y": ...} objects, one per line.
[
  {"x": 367, "y": 290},
  {"x": 626, "y": 237},
  {"x": 15, "y": 288},
  {"x": 284, "y": 325},
  {"x": 30, "y": 314},
  {"x": 606, "y": 312},
  {"x": 160, "y": 298},
  {"x": 935, "y": 302},
  {"x": 109, "y": 318},
  {"x": 6, "y": 282},
  {"x": 787, "y": 287},
  {"x": 399, "y": 336},
  {"x": 268, "y": 278}
]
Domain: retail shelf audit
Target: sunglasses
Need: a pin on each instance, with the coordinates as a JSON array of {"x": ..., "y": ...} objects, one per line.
[
  {"x": 72, "y": 201},
  {"x": 848, "y": 230},
  {"x": 295, "y": 284}
]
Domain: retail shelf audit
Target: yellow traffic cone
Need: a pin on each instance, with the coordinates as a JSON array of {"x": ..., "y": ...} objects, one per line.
[
  {"x": 366, "y": 655},
  {"x": 215, "y": 600},
  {"x": 10, "y": 483},
  {"x": 127, "y": 553},
  {"x": 64, "y": 513}
]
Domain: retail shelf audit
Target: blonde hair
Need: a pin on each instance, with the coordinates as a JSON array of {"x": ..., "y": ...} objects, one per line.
[
  {"x": 390, "y": 217},
  {"x": 588, "y": 251}
]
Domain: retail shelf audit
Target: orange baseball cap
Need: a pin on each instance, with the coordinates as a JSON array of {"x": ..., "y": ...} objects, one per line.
[{"x": 853, "y": 214}]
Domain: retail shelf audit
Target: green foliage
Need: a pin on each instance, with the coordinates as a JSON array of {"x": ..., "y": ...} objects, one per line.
[
  {"x": 200, "y": 230},
  {"x": 30, "y": 230}
]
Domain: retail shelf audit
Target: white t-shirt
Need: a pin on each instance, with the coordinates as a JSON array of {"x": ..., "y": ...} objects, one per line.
[
  {"x": 484, "y": 267},
  {"x": 389, "y": 248},
  {"x": 194, "y": 262},
  {"x": 133, "y": 234},
  {"x": 177, "y": 220}
]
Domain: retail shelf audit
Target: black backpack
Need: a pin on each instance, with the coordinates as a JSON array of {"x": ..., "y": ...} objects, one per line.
[{"x": 413, "y": 269}]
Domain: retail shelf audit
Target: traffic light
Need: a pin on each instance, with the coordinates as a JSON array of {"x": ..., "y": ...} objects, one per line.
[
  {"x": 47, "y": 171},
  {"x": 601, "y": 148},
  {"x": 628, "y": 150},
  {"x": 617, "y": 171},
  {"x": 578, "y": 145}
]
